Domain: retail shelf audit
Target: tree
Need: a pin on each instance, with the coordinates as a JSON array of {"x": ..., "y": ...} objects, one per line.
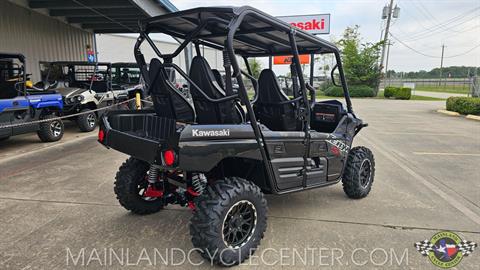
[
  {"x": 360, "y": 60},
  {"x": 255, "y": 66}
]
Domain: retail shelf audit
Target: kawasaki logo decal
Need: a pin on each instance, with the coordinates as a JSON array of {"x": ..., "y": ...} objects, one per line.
[{"x": 211, "y": 133}]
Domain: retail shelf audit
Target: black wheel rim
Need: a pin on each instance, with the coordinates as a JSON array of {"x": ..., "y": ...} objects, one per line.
[
  {"x": 365, "y": 173},
  {"x": 239, "y": 224},
  {"x": 56, "y": 128},
  {"x": 91, "y": 120}
]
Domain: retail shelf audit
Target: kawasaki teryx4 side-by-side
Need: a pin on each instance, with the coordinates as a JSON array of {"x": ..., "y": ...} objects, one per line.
[
  {"x": 84, "y": 87},
  {"x": 218, "y": 152},
  {"x": 20, "y": 104}
]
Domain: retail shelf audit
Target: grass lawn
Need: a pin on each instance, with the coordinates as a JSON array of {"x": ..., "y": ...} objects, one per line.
[
  {"x": 460, "y": 89},
  {"x": 414, "y": 97}
]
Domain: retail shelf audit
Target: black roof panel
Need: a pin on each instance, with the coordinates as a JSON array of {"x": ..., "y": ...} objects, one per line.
[{"x": 259, "y": 34}]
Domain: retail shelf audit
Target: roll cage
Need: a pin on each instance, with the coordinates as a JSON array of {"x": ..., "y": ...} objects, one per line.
[
  {"x": 9, "y": 69},
  {"x": 79, "y": 73},
  {"x": 245, "y": 32}
]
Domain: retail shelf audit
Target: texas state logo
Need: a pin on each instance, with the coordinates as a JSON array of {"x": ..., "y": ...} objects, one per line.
[{"x": 445, "y": 249}]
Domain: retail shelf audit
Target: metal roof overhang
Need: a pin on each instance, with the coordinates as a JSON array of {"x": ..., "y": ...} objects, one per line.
[{"x": 104, "y": 16}]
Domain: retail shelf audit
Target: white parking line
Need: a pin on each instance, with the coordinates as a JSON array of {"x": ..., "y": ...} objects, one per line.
[
  {"x": 448, "y": 198},
  {"x": 446, "y": 154}
]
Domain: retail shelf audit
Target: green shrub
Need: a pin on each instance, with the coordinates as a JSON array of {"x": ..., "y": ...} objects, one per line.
[
  {"x": 403, "y": 93},
  {"x": 397, "y": 92},
  {"x": 464, "y": 105},
  {"x": 361, "y": 91},
  {"x": 334, "y": 91},
  {"x": 354, "y": 90},
  {"x": 389, "y": 91}
]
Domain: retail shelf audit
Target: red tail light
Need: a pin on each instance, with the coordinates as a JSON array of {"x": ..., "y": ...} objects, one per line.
[
  {"x": 101, "y": 135},
  {"x": 169, "y": 157}
]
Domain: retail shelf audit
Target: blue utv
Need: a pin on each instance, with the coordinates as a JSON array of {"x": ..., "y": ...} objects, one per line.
[{"x": 22, "y": 107}]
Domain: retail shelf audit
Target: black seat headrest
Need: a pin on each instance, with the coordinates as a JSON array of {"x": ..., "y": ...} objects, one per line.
[
  {"x": 269, "y": 89},
  {"x": 202, "y": 75}
]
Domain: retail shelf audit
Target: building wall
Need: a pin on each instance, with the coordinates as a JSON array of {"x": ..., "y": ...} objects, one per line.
[
  {"x": 39, "y": 37},
  {"x": 119, "y": 48}
]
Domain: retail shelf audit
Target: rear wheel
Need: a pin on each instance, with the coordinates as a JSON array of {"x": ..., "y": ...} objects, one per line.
[
  {"x": 130, "y": 186},
  {"x": 229, "y": 221},
  {"x": 87, "y": 121},
  {"x": 359, "y": 173},
  {"x": 50, "y": 131}
]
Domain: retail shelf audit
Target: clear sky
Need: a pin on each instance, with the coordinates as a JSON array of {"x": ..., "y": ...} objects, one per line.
[{"x": 423, "y": 25}]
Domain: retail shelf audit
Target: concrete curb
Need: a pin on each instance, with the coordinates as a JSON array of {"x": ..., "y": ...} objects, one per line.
[
  {"x": 449, "y": 112},
  {"x": 473, "y": 117}
]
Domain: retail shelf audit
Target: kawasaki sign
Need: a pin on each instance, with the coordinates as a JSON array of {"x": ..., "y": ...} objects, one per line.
[{"x": 314, "y": 24}]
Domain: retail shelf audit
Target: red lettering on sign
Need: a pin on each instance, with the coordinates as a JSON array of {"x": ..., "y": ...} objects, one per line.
[{"x": 310, "y": 25}]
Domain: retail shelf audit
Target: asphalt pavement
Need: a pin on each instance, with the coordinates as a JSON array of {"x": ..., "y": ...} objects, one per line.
[{"x": 58, "y": 209}]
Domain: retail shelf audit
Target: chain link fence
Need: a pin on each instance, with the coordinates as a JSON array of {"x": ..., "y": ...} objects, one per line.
[{"x": 468, "y": 85}]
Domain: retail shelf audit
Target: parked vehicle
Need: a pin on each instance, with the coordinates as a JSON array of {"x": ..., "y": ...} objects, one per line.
[
  {"x": 84, "y": 87},
  {"x": 199, "y": 148},
  {"x": 127, "y": 76},
  {"x": 20, "y": 105}
]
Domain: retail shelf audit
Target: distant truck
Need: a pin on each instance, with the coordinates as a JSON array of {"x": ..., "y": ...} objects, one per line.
[{"x": 20, "y": 104}]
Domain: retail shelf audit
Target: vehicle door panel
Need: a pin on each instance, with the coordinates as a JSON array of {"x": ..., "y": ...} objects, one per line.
[
  {"x": 317, "y": 162},
  {"x": 21, "y": 113},
  {"x": 286, "y": 151}
]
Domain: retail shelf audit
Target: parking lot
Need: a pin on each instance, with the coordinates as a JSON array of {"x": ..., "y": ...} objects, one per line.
[{"x": 57, "y": 200}]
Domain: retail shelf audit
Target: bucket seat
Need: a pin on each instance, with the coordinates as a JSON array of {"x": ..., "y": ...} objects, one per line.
[
  {"x": 168, "y": 101},
  {"x": 227, "y": 112},
  {"x": 272, "y": 106}
]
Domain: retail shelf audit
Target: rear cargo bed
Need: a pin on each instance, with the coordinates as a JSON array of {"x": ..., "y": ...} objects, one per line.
[{"x": 136, "y": 133}]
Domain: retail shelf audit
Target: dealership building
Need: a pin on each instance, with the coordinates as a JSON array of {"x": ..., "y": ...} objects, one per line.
[{"x": 53, "y": 30}]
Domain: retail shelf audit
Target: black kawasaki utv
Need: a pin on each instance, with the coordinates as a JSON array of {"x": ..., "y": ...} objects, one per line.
[{"x": 218, "y": 152}]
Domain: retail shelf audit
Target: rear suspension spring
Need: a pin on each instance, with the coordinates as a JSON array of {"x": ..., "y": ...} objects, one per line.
[{"x": 153, "y": 174}]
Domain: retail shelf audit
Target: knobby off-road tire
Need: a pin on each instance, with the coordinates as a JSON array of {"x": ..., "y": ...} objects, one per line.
[
  {"x": 359, "y": 173},
  {"x": 129, "y": 184},
  {"x": 50, "y": 131},
  {"x": 88, "y": 121},
  {"x": 223, "y": 208}
]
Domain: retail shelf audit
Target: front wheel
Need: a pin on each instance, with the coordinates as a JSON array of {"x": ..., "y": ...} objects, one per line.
[
  {"x": 50, "y": 131},
  {"x": 359, "y": 173},
  {"x": 87, "y": 121},
  {"x": 229, "y": 221}
]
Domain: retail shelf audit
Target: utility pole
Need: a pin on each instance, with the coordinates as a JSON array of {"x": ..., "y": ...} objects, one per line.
[
  {"x": 386, "y": 63},
  {"x": 388, "y": 13},
  {"x": 385, "y": 37},
  {"x": 441, "y": 64}
]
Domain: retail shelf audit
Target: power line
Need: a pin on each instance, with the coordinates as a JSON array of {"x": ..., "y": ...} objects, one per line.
[
  {"x": 444, "y": 26},
  {"x": 432, "y": 56}
]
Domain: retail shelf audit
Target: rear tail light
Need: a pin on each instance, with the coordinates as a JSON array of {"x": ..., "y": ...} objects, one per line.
[
  {"x": 101, "y": 135},
  {"x": 169, "y": 157}
]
